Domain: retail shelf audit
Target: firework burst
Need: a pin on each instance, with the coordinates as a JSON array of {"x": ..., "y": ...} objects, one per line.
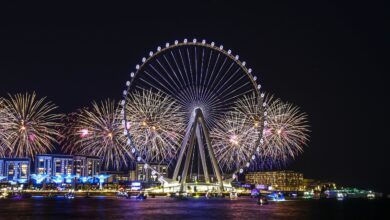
[
  {"x": 4, "y": 146},
  {"x": 285, "y": 133},
  {"x": 98, "y": 132},
  {"x": 252, "y": 111},
  {"x": 234, "y": 140},
  {"x": 238, "y": 137},
  {"x": 155, "y": 123},
  {"x": 30, "y": 126}
]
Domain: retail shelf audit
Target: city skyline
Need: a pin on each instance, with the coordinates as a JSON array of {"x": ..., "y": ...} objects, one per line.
[{"x": 325, "y": 66}]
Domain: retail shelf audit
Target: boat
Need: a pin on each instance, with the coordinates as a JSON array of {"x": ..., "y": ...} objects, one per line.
[
  {"x": 255, "y": 193},
  {"x": 141, "y": 196},
  {"x": 370, "y": 195},
  {"x": 88, "y": 196},
  {"x": 122, "y": 194},
  {"x": 4, "y": 195},
  {"x": 181, "y": 196},
  {"x": 15, "y": 195},
  {"x": 233, "y": 195},
  {"x": 220, "y": 195},
  {"x": 51, "y": 195},
  {"x": 70, "y": 195},
  {"x": 262, "y": 200},
  {"x": 276, "y": 196},
  {"x": 340, "y": 196}
]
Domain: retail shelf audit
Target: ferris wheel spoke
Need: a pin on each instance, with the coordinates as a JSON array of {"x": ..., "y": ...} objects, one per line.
[
  {"x": 181, "y": 98},
  {"x": 238, "y": 95},
  {"x": 184, "y": 67},
  {"x": 207, "y": 68},
  {"x": 198, "y": 74},
  {"x": 172, "y": 89},
  {"x": 217, "y": 75},
  {"x": 216, "y": 107},
  {"x": 154, "y": 86},
  {"x": 213, "y": 70},
  {"x": 192, "y": 94},
  {"x": 201, "y": 72},
  {"x": 212, "y": 97},
  {"x": 178, "y": 68},
  {"x": 189, "y": 64},
  {"x": 193, "y": 84},
  {"x": 183, "y": 94},
  {"x": 191, "y": 74},
  {"x": 196, "y": 66},
  {"x": 215, "y": 100},
  {"x": 185, "y": 70},
  {"x": 225, "y": 81},
  {"x": 173, "y": 71},
  {"x": 223, "y": 105},
  {"x": 184, "y": 101},
  {"x": 224, "y": 92},
  {"x": 169, "y": 75}
]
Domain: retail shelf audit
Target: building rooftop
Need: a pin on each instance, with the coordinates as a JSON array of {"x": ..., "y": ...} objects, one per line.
[
  {"x": 55, "y": 155},
  {"x": 14, "y": 158},
  {"x": 79, "y": 155},
  {"x": 66, "y": 155}
]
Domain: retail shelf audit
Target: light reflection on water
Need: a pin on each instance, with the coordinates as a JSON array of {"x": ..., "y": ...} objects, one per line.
[{"x": 167, "y": 208}]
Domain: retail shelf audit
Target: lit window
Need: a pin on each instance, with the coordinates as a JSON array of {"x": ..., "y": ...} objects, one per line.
[{"x": 24, "y": 170}]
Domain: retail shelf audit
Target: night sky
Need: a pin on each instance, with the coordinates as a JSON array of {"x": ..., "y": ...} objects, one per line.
[{"x": 326, "y": 58}]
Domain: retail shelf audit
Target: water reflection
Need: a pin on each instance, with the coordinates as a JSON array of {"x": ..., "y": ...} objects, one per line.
[{"x": 167, "y": 208}]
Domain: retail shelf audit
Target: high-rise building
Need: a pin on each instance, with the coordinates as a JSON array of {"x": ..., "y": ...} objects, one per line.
[{"x": 278, "y": 180}]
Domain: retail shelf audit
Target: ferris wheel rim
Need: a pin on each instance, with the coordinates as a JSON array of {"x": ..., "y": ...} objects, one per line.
[{"x": 220, "y": 49}]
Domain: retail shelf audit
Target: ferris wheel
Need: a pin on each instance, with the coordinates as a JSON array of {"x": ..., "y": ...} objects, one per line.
[{"x": 192, "y": 87}]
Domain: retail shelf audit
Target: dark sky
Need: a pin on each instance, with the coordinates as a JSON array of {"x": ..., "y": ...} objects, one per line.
[{"x": 328, "y": 58}]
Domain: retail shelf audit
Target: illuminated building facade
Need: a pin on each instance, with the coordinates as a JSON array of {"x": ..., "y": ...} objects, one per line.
[
  {"x": 57, "y": 168},
  {"x": 147, "y": 175},
  {"x": 54, "y": 164},
  {"x": 58, "y": 164},
  {"x": 277, "y": 180},
  {"x": 1, "y": 167},
  {"x": 316, "y": 185},
  {"x": 86, "y": 165},
  {"x": 15, "y": 169},
  {"x": 117, "y": 176}
]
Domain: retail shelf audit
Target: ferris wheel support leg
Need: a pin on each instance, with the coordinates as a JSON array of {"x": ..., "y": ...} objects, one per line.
[
  {"x": 183, "y": 179},
  {"x": 210, "y": 149},
  {"x": 202, "y": 155},
  {"x": 183, "y": 147}
]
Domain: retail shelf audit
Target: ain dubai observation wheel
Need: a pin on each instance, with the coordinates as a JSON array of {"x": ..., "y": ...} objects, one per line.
[{"x": 175, "y": 100}]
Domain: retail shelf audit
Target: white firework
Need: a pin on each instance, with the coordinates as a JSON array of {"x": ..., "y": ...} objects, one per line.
[
  {"x": 98, "y": 132},
  {"x": 285, "y": 133},
  {"x": 4, "y": 145},
  {"x": 30, "y": 125},
  {"x": 155, "y": 123},
  {"x": 250, "y": 107},
  {"x": 234, "y": 141}
]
